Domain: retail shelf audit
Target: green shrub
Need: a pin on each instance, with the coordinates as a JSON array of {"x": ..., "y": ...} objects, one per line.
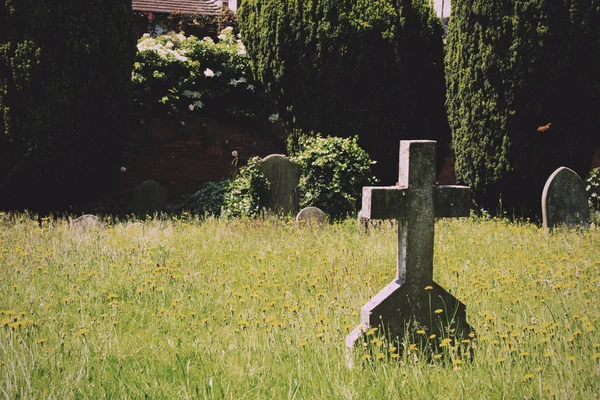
[
  {"x": 333, "y": 172},
  {"x": 248, "y": 192},
  {"x": 372, "y": 68},
  {"x": 186, "y": 76},
  {"x": 208, "y": 200},
  {"x": 523, "y": 95},
  {"x": 592, "y": 187},
  {"x": 65, "y": 95}
]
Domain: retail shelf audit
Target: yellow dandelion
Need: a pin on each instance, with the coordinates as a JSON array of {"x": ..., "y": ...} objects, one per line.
[
  {"x": 41, "y": 340},
  {"x": 445, "y": 342},
  {"x": 372, "y": 331},
  {"x": 432, "y": 336},
  {"x": 571, "y": 358},
  {"x": 437, "y": 356},
  {"x": 438, "y": 311},
  {"x": 500, "y": 359},
  {"x": 457, "y": 362},
  {"x": 380, "y": 356},
  {"x": 82, "y": 332},
  {"x": 421, "y": 332},
  {"x": 527, "y": 377},
  {"x": 595, "y": 356},
  {"x": 366, "y": 357},
  {"x": 428, "y": 287},
  {"x": 524, "y": 354}
]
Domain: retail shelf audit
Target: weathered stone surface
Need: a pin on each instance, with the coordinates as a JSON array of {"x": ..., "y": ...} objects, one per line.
[
  {"x": 564, "y": 200},
  {"x": 284, "y": 176},
  {"x": 86, "y": 222},
  {"x": 413, "y": 300},
  {"x": 311, "y": 215},
  {"x": 149, "y": 198}
]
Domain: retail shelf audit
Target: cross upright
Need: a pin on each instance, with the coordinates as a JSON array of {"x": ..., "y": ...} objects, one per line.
[{"x": 415, "y": 202}]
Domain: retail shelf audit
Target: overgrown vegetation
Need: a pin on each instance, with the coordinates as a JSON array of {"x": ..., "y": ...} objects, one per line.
[
  {"x": 522, "y": 95},
  {"x": 592, "y": 188},
  {"x": 260, "y": 308},
  {"x": 65, "y": 94},
  {"x": 248, "y": 192},
  {"x": 372, "y": 68},
  {"x": 185, "y": 77},
  {"x": 333, "y": 172}
]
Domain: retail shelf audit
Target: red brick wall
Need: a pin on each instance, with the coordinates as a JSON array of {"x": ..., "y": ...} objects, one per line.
[{"x": 183, "y": 157}]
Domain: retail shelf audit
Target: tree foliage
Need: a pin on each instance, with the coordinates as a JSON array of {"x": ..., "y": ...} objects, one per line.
[
  {"x": 523, "y": 94},
  {"x": 346, "y": 67},
  {"x": 65, "y": 79}
]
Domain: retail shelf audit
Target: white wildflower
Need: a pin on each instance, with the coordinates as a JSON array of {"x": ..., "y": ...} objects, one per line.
[
  {"x": 209, "y": 73},
  {"x": 274, "y": 117}
]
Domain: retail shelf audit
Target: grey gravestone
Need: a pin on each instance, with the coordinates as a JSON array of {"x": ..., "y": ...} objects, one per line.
[
  {"x": 311, "y": 215},
  {"x": 564, "y": 200},
  {"x": 86, "y": 222},
  {"x": 409, "y": 303},
  {"x": 284, "y": 176},
  {"x": 149, "y": 198}
]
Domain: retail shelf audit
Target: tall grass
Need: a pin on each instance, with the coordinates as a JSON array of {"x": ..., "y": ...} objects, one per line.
[{"x": 261, "y": 308}]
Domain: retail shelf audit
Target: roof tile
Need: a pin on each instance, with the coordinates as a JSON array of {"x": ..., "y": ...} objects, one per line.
[{"x": 204, "y": 7}]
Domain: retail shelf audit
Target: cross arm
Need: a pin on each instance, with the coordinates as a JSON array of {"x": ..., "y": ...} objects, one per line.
[
  {"x": 384, "y": 202},
  {"x": 452, "y": 201}
]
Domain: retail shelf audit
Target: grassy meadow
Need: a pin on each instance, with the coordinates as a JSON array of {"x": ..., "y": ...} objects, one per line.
[{"x": 260, "y": 309}]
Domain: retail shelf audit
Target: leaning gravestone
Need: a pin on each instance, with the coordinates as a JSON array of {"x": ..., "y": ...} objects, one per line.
[
  {"x": 564, "y": 200},
  {"x": 311, "y": 215},
  {"x": 149, "y": 198},
  {"x": 284, "y": 176},
  {"x": 413, "y": 303}
]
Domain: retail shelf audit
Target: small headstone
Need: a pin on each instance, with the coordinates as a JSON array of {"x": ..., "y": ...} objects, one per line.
[
  {"x": 413, "y": 302},
  {"x": 284, "y": 176},
  {"x": 564, "y": 200},
  {"x": 149, "y": 198},
  {"x": 86, "y": 222},
  {"x": 311, "y": 215}
]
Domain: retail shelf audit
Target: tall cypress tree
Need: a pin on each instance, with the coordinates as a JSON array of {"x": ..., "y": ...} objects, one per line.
[
  {"x": 65, "y": 78},
  {"x": 346, "y": 67},
  {"x": 523, "y": 94}
]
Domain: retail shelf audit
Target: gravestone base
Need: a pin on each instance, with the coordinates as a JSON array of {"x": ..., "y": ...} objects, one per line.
[{"x": 400, "y": 310}]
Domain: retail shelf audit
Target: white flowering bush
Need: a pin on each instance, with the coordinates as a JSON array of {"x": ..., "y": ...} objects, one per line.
[{"x": 185, "y": 76}]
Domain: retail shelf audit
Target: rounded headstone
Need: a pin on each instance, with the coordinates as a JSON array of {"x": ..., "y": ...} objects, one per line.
[
  {"x": 284, "y": 176},
  {"x": 148, "y": 198},
  {"x": 311, "y": 215},
  {"x": 564, "y": 200},
  {"x": 86, "y": 222}
]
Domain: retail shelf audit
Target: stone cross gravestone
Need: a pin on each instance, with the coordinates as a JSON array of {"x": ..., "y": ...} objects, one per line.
[
  {"x": 413, "y": 301},
  {"x": 149, "y": 198},
  {"x": 564, "y": 200},
  {"x": 284, "y": 176},
  {"x": 311, "y": 215}
]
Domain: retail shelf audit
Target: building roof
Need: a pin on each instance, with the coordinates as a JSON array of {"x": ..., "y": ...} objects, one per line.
[{"x": 199, "y": 7}]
